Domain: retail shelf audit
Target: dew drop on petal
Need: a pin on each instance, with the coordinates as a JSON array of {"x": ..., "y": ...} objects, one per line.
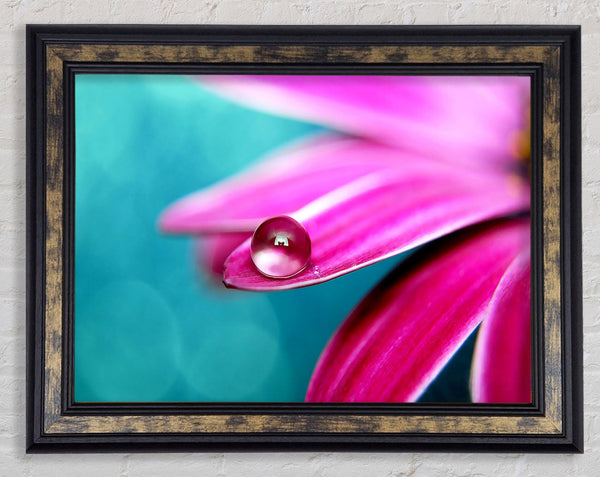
[{"x": 280, "y": 247}]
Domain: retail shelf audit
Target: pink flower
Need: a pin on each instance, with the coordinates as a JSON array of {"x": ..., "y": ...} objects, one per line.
[{"x": 414, "y": 159}]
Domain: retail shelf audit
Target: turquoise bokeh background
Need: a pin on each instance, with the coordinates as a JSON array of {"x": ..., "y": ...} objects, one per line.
[{"x": 149, "y": 326}]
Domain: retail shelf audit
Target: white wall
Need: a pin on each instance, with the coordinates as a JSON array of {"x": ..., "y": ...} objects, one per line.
[{"x": 14, "y": 14}]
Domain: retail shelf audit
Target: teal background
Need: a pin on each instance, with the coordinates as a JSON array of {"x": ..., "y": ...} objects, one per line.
[{"x": 149, "y": 326}]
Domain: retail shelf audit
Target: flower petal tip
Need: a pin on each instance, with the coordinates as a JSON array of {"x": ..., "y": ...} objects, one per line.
[{"x": 171, "y": 221}]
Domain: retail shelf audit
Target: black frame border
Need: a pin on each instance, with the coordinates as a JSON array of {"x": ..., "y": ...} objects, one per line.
[{"x": 38, "y": 36}]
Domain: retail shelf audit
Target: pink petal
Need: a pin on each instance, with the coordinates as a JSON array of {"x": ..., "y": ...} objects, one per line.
[
  {"x": 469, "y": 120},
  {"x": 279, "y": 185},
  {"x": 501, "y": 370},
  {"x": 212, "y": 251},
  {"x": 384, "y": 214},
  {"x": 403, "y": 333}
]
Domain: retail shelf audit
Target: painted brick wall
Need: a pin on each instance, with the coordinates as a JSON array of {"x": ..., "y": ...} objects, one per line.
[{"x": 14, "y": 14}]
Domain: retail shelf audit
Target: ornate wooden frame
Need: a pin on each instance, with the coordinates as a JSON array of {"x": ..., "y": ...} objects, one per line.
[{"x": 550, "y": 55}]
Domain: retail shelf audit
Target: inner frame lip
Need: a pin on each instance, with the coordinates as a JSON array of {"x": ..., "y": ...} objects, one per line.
[{"x": 72, "y": 407}]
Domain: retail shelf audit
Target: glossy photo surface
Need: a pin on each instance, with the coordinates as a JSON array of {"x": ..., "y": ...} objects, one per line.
[{"x": 302, "y": 239}]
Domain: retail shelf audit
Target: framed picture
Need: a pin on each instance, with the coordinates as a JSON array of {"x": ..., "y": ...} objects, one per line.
[{"x": 293, "y": 238}]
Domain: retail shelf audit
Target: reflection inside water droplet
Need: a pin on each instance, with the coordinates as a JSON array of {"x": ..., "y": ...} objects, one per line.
[{"x": 280, "y": 247}]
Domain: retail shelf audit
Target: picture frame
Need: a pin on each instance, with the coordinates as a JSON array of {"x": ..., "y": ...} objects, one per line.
[{"x": 549, "y": 55}]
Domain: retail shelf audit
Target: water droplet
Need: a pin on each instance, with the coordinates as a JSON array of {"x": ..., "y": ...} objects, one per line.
[{"x": 280, "y": 247}]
